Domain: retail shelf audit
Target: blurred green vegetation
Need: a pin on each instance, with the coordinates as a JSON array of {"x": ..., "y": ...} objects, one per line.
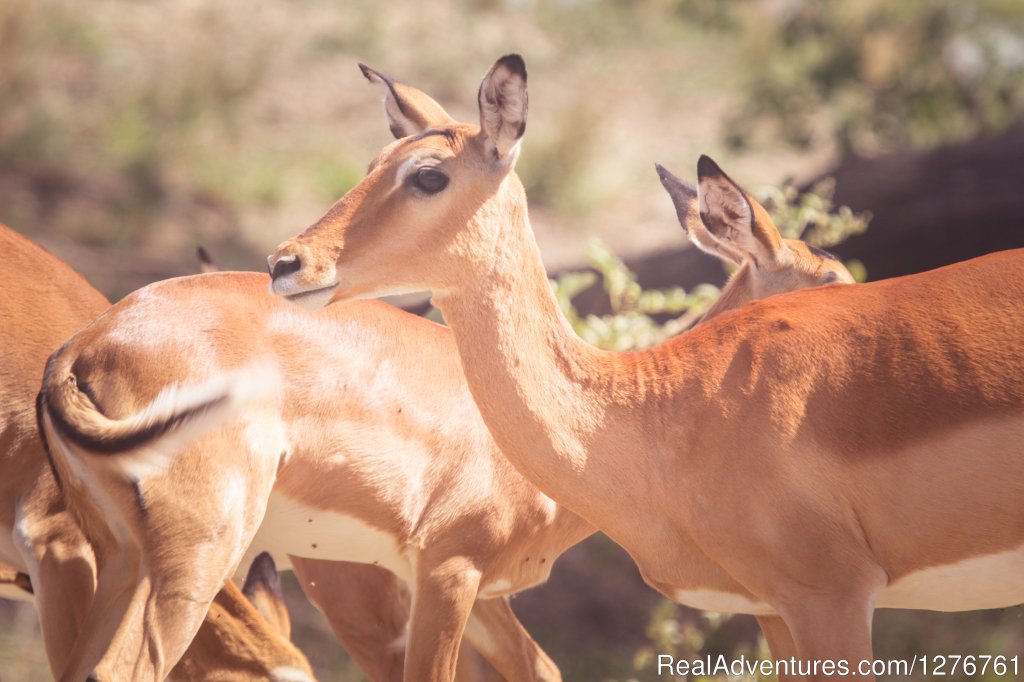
[
  {"x": 637, "y": 316},
  {"x": 887, "y": 74}
]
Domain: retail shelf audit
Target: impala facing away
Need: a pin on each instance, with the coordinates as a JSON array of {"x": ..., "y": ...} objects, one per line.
[
  {"x": 46, "y": 557},
  {"x": 805, "y": 458},
  {"x": 382, "y": 459}
]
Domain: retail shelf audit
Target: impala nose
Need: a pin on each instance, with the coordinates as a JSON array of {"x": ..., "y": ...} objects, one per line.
[{"x": 285, "y": 265}]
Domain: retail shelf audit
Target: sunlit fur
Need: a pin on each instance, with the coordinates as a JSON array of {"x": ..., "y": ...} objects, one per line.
[
  {"x": 805, "y": 452},
  {"x": 245, "y": 637},
  {"x": 45, "y": 302},
  {"x": 369, "y": 432},
  {"x": 391, "y": 443}
]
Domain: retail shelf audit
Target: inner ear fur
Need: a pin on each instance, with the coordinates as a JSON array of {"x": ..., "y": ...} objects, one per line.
[
  {"x": 504, "y": 102},
  {"x": 686, "y": 200},
  {"x": 262, "y": 588},
  {"x": 409, "y": 111},
  {"x": 733, "y": 216}
]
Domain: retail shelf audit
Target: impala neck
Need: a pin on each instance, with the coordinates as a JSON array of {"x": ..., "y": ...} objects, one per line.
[{"x": 533, "y": 379}]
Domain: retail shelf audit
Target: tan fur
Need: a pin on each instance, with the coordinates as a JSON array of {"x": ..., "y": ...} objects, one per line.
[
  {"x": 372, "y": 431},
  {"x": 427, "y": 476},
  {"x": 798, "y": 455},
  {"x": 244, "y": 637},
  {"x": 45, "y": 302}
]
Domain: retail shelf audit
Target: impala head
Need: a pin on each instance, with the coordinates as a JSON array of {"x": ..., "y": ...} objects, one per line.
[
  {"x": 724, "y": 220},
  {"x": 408, "y": 226},
  {"x": 246, "y": 634}
]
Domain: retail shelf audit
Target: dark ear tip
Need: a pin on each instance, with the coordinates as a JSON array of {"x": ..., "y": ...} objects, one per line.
[
  {"x": 514, "y": 63},
  {"x": 675, "y": 185},
  {"x": 370, "y": 74},
  {"x": 203, "y": 255},
  {"x": 663, "y": 174},
  {"x": 707, "y": 168},
  {"x": 262, "y": 575}
]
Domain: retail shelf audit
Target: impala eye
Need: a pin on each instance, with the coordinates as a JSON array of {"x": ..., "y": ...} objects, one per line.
[
  {"x": 430, "y": 180},
  {"x": 830, "y": 278}
]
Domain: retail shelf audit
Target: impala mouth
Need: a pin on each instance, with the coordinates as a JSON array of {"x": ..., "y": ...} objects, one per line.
[{"x": 313, "y": 298}]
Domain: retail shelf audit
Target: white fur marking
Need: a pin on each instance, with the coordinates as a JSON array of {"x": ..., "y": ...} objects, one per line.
[
  {"x": 252, "y": 383},
  {"x": 984, "y": 582},
  {"x": 725, "y": 602},
  {"x": 498, "y": 588},
  {"x": 14, "y": 593},
  {"x": 292, "y": 528},
  {"x": 288, "y": 674},
  {"x": 405, "y": 169}
]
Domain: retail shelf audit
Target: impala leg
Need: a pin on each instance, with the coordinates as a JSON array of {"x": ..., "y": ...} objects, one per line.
[
  {"x": 366, "y": 606},
  {"x": 116, "y": 577},
  {"x": 780, "y": 642},
  {"x": 498, "y": 635},
  {"x": 829, "y": 629},
  {"x": 63, "y": 582},
  {"x": 191, "y": 525},
  {"x": 61, "y": 565},
  {"x": 444, "y": 596}
]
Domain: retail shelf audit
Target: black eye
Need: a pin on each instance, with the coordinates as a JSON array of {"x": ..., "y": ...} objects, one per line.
[
  {"x": 430, "y": 180},
  {"x": 830, "y": 278}
]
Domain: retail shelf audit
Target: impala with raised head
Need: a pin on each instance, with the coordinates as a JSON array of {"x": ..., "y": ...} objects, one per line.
[
  {"x": 805, "y": 459},
  {"x": 384, "y": 459}
]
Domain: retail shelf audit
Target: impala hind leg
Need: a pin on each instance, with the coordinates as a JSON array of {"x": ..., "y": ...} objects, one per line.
[
  {"x": 191, "y": 525},
  {"x": 442, "y": 601},
  {"x": 63, "y": 582},
  {"x": 61, "y": 565},
  {"x": 366, "y": 606},
  {"x": 498, "y": 635},
  {"x": 116, "y": 579}
]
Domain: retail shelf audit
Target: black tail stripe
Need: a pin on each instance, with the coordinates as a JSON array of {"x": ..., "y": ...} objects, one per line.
[
  {"x": 113, "y": 446},
  {"x": 40, "y": 397}
]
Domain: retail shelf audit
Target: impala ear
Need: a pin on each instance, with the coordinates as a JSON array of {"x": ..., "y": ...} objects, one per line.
[
  {"x": 734, "y": 217},
  {"x": 263, "y": 590},
  {"x": 687, "y": 202},
  {"x": 409, "y": 111},
  {"x": 503, "y": 105}
]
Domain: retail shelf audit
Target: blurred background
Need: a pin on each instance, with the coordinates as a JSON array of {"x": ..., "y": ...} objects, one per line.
[{"x": 130, "y": 132}]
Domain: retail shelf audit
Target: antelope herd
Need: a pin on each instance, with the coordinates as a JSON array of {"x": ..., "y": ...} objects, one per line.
[{"x": 801, "y": 456}]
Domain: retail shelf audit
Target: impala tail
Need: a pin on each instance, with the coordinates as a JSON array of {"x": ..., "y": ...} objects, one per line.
[{"x": 74, "y": 424}]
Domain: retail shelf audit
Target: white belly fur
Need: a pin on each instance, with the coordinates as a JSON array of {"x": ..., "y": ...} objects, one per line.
[
  {"x": 289, "y": 527},
  {"x": 724, "y": 602},
  {"x": 984, "y": 582}
]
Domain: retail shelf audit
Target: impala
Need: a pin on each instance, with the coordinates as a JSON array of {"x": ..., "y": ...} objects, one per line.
[
  {"x": 45, "y": 302},
  {"x": 245, "y": 635},
  {"x": 804, "y": 459},
  {"x": 383, "y": 459}
]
